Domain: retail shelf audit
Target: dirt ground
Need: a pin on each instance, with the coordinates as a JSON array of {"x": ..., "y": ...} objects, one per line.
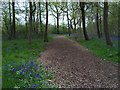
[{"x": 75, "y": 67}]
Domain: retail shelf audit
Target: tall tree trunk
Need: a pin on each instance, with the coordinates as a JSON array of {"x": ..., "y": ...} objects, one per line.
[
  {"x": 40, "y": 18},
  {"x": 106, "y": 30},
  {"x": 119, "y": 30},
  {"x": 97, "y": 21},
  {"x": 63, "y": 20},
  {"x": 71, "y": 26},
  {"x": 46, "y": 28},
  {"x": 10, "y": 30},
  {"x": 26, "y": 18},
  {"x": 34, "y": 21},
  {"x": 82, "y": 5},
  {"x": 37, "y": 19},
  {"x": 119, "y": 19},
  {"x": 100, "y": 25},
  {"x": 69, "y": 32},
  {"x": 74, "y": 25},
  {"x": 57, "y": 22},
  {"x": 13, "y": 21},
  {"x": 30, "y": 23}
]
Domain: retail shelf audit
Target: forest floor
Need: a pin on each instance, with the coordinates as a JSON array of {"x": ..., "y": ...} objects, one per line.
[{"x": 76, "y": 67}]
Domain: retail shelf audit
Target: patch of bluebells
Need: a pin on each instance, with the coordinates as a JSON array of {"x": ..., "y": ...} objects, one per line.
[{"x": 29, "y": 75}]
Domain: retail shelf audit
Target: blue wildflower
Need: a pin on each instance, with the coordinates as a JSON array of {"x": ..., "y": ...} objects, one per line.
[
  {"x": 28, "y": 65},
  {"x": 38, "y": 76},
  {"x": 34, "y": 86},
  {"x": 19, "y": 68},
  {"x": 21, "y": 72},
  {"x": 14, "y": 69},
  {"x": 6, "y": 65},
  {"x": 32, "y": 63},
  {"x": 27, "y": 75},
  {"x": 35, "y": 66}
]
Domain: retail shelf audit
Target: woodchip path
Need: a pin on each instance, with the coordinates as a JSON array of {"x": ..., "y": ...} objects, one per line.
[{"x": 75, "y": 67}]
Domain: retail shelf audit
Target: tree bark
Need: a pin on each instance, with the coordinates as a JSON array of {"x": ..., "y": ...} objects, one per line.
[
  {"x": 40, "y": 18},
  {"x": 46, "y": 28},
  {"x": 26, "y": 19},
  {"x": 57, "y": 22},
  {"x": 37, "y": 21},
  {"x": 10, "y": 30},
  {"x": 30, "y": 23},
  {"x": 97, "y": 21},
  {"x": 119, "y": 30},
  {"x": 100, "y": 25},
  {"x": 106, "y": 30},
  {"x": 68, "y": 20},
  {"x": 13, "y": 21},
  {"x": 82, "y": 5}
]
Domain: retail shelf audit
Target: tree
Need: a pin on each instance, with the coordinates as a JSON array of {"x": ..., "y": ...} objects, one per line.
[
  {"x": 97, "y": 20},
  {"x": 82, "y": 6},
  {"x": 46, "y": 28},
  {"x": 69, "y": 32},
  {"x": 30, "y": 23},
  {"x": 106, "y": 30},
  {"x": 26, "y": 24},
  {"x": 10, "y": 30},
  {"x": 119, "y": 28},
  {"x": 40, "y": 20},
  {"x": 56, "y": 8},
  {"x": 13, "y": 21}
]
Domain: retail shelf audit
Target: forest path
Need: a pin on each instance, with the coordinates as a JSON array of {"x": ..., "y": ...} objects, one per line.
[{"x": 74, "y": 66}]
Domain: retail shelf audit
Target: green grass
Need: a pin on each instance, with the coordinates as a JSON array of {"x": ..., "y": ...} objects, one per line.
[
  {"x": 17, "y": 56},
  {"x": 100, "y": 49}
]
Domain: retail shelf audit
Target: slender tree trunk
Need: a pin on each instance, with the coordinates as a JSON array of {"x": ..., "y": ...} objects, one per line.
[
  {"x": 119, "y": 31},
  {"x": 34, "y": 21},
  {"x": 71, "y": 26},
  {"x": 119, "y": 20},
  {"x": 40, "y": 18},
  {"x": 10, "y": 30},
  {"x": 26, "y": 19},
  {"x": 57, "y": 22},
  {"x": 37, "y": 19},
  {"x": 68, "y": 22},
  {"x": 83, "y": 20},
  {"x": 13, "y": 22},
  {"x": 97, "y": 21},
  {"x": 74, "y": 25},
  {"x": 63, "y": 20},
  {"x": 30, "y": 23},
  {"x": 100, "y": 25},
  {"x": 46, "y": 28},
  {"x": 106, "y": 30}
]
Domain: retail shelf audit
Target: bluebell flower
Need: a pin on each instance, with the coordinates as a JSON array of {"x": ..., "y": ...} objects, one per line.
[
  {"x": 35, "y": 66},
  {"x": 19, "y": 67},
  {"x": 6, "y": 65},
  {"x": 28, "y": 65},
  {"x": 34, "y": 86},
  {"x": 38, "y": 76},
  {"x": 27, "y": 75},
  {"x": 14, "y": 69},
  {"x": 21, "y": 72},
  {"x": 32, "y": 63}
]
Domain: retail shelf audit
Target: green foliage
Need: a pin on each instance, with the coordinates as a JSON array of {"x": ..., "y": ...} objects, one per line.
[
  {"x": 113, "y": 18},
  {"x": 27, "y": 75},
  {"x": 99, "y": 48},
  {"x": 62, "y": 28},
  {"x": 18, "y": 53}
]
